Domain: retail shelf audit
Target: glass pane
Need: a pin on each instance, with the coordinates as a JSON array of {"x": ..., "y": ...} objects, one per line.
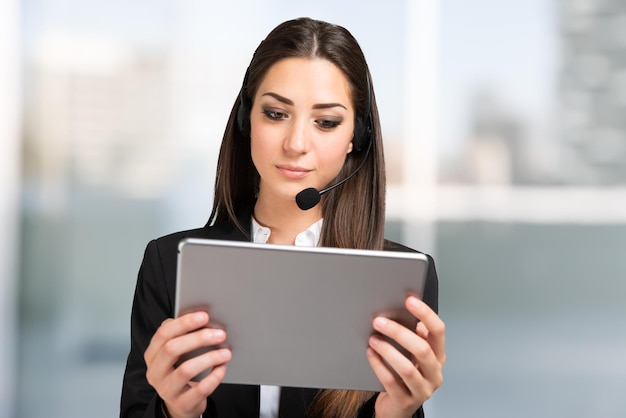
[{"x": 529, "y": 234}]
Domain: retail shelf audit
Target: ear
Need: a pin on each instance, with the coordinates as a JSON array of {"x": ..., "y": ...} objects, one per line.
[{"x": 350, "y": 145}]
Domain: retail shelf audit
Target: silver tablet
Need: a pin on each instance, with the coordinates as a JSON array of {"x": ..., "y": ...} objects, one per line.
[{"x": 297, "y": 316}]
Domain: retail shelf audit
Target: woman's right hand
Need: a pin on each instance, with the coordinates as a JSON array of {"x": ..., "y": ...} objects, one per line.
[{"x": 183, "y": 397}]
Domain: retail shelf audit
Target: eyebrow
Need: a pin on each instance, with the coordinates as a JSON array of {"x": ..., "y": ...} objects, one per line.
[{"x": 289, "y": 102}]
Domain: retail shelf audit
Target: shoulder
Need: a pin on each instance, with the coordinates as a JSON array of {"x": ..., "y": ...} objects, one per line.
[
  {"x": 161, "y": 254},
  {"x": 168, "y": 244},
  {"x": 176, "y": 237},
  {"x": 394, "y": 246}
]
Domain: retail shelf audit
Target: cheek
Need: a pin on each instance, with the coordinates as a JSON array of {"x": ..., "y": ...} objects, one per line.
[
  {"x": 261, "y": 142},
  {"x": 335, "y": 156}
]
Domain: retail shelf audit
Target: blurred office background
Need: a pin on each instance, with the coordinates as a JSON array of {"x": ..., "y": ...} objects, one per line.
[{"x": 505, "y": 135}]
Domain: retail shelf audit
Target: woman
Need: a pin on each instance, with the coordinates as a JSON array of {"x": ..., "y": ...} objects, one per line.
[{"x": 306, "y": 117}]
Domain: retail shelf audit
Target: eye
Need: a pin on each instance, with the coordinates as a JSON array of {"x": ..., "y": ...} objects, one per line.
[
  {"x": 328, "y": 124},
  {"x": 275, "y": 115}
]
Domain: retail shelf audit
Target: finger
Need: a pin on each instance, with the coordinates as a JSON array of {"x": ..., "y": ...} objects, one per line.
[
  {"x": 208, "y": 385},
  {"x": 189, "y": 369},
  {"x": 402, "y": 379},
  {"x": 197, "y": 394},
  {"x": 435, "y": 326},
  {"x": 390, "y": 381},
  {"x": 403, "y": 366},
  {"x": 171, "y": 328},
  {"x": 421, "y": 330},
  {"x": 409, "y": 343},
  {"x": 420, "y": 352},
  {"x": 170, "y": 352}
]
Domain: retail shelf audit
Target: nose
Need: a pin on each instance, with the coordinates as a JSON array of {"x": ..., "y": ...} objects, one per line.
[{"x": 297, "y": 138}]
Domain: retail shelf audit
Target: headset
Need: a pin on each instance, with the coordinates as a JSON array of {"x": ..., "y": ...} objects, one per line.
[{"x": 362, "y": 127}]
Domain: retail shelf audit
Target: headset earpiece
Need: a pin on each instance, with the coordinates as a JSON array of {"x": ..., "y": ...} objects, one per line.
[
  {"x": 363, "y": 126},
  {"x": 362, "y": 134},
  {"x": 243, "y": 111},
  {"x": 243, "y": 114}
]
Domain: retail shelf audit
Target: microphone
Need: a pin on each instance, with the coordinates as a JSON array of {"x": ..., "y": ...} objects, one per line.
[{"x": 309, "y": 198}]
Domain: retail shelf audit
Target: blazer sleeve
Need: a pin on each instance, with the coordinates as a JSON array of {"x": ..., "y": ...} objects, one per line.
[{"x": 151, "y": 306}]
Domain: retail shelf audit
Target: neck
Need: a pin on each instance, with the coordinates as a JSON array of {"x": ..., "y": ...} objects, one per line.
[{"x": 284, "y": 218}]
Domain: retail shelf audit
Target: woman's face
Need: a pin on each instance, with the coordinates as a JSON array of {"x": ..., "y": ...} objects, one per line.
[{"x": 301, "y": 126}]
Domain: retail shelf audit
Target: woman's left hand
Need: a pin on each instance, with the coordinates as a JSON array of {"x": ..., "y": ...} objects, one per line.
[{"x": 408, "y": 382}]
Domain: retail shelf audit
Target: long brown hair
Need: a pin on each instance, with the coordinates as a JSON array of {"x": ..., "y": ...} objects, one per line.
[{"x": 353, "y": 213}]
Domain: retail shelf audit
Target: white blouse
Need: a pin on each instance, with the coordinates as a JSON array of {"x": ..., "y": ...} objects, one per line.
[{"x": 270, "y": 395}]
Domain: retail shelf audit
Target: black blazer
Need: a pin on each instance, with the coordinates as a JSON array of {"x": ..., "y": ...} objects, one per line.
[{"x": 154, "y": 302}]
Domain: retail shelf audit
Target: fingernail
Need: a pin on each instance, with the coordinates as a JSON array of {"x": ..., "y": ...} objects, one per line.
[
  {"x": 380, "y": 322},
  {"x": 219, "y": 333},
  {"x": 414, "y": 302},
  {"x": 199, "y": 317},
  {"x": 225, "y": 353},
  {"x": 374, "y": 341}
]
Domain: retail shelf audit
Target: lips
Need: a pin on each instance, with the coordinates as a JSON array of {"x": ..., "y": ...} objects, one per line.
[{"x": 293, "y": 172}]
